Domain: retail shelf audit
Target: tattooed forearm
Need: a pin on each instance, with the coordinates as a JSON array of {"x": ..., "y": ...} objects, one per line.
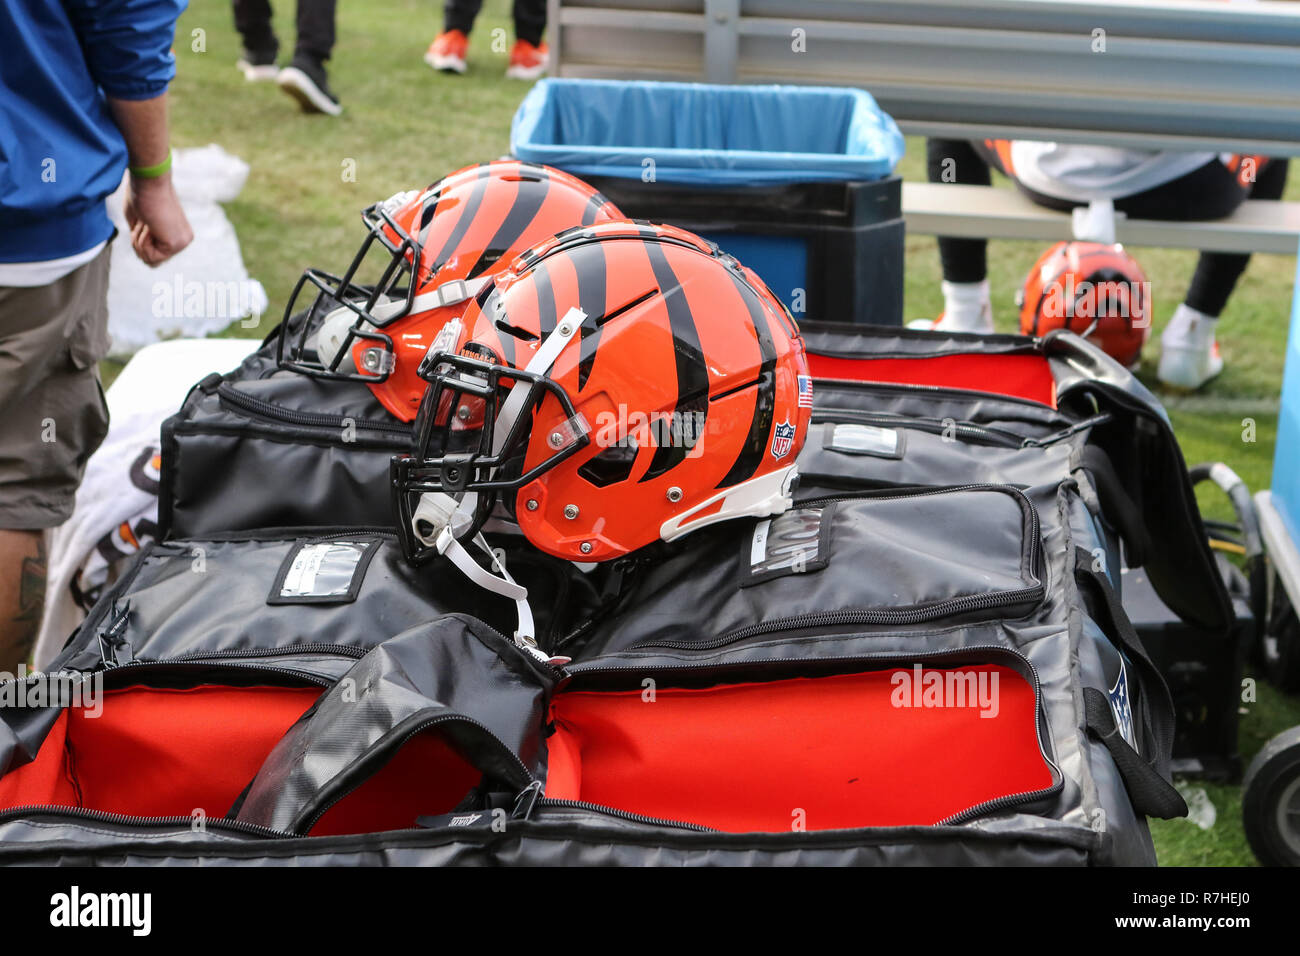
[
  {"x": 18, "y": 631},
  {"x": 31, "y": 584}
]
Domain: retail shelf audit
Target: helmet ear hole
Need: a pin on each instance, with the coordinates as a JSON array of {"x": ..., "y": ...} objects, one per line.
[{"x": 612, "y": 465}]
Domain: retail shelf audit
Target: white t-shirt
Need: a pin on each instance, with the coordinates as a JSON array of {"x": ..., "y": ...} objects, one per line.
[
  {"x": 30, "y": 274},
  {"x": 1074, "y": 172}
]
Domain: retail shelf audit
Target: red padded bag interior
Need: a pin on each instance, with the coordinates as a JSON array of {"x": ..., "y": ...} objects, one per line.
[
  {"x": 1019, "y": 376},
  {"x": 425, "y": 777},
  {"x": 167, "y": 752},
  {"x": 825, "y": 752},
  {"x": 158, "y": 751}
]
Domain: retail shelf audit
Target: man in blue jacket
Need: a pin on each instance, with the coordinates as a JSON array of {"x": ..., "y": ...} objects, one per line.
[{"x": 83, "y": 95}]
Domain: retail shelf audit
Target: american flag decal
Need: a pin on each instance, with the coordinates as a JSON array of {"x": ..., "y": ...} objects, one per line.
[{"x": 805, "y": 391}]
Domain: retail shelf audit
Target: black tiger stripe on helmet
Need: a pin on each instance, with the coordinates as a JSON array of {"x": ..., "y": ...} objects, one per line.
[
  {"x": 688, "y": 356},
  {"x": 482, "y": 177},
  {"x": 760, "y": 426},
  {"x": 521, "y": 215}
]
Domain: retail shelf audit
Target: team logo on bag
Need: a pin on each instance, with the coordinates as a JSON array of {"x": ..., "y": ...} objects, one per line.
[
  {"x": 782, "y": 439},
  {"x": 1121, "y": 707}
]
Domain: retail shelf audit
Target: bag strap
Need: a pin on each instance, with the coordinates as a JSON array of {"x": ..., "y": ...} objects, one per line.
[
  {"x": 1147, "y": 778},
  {"x": 1151, "y": 793},
  {"x": 1118, "y": 505}
]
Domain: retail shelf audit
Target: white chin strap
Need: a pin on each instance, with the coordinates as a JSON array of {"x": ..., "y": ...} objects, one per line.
[
  {"x": 449, "y": 518},
  {"x": 449, "y": 293},
  {"x": 336, "y": 325}
]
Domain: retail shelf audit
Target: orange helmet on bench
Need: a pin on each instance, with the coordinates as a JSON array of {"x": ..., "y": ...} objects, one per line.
[{"x": 1093, "y": 289}]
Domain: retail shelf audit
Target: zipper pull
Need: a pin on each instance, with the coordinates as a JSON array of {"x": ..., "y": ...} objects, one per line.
[
  {"x": 210, "y": 383},
  {"x": 114, "y": 649},
  {"x": 1099, "y": 419},
  {"x": 526, "y": 801}
]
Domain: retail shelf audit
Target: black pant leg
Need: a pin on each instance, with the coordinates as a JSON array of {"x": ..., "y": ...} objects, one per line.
[
  {"x": 956, "y": 160},
  {"x": 530, "y": 20},
  {"x": 1207, "y": 192},
  {"x": 1217, "y": 273},
  {"x": 253, "y": 21},
  {"x": 1271, "y": 181},
  {"x": 460, "y": 14},
  {"x": 315, "y": 29}
]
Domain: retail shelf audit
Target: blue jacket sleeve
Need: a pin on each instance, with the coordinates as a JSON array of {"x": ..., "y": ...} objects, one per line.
[{"x": 127, "y": 44}]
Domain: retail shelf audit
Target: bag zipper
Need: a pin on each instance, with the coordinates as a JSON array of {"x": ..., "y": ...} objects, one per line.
[
  {"x": 227, "y": 394},
  {"x": 198, "y": 664},
  {"x": 1014, "y": 348},
  {"x": 866, "y": 616},
  {"x": 1101, "y": 418},
  {"x": 123, "y": 819},
  {"x": 961, "y": 393},
  {"x": 341, "y": 650},
  {"x": 1009, "y": 344},
  {"x": 889, "y": 616},
  {"x": 990, "y": 435},
  {"x": 974, "y": 650},
  {"x": 984, "y": 434},
  {"x": 618, "y": 814}
]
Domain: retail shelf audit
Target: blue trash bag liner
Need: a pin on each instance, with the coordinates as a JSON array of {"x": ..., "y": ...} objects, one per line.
[{"x": 706, "y": 134}]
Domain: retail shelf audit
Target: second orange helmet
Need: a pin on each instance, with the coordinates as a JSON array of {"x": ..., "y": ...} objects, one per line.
[{"x": 425, "y": 255}]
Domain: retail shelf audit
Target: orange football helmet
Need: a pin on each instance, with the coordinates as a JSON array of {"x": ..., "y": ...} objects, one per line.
[
  {"x": 378, "y": 322},
  {"x": 1096, "y": 290},
  {"x": 616, "y": 385}
]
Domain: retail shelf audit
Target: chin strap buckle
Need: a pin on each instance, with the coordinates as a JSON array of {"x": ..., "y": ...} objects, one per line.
[{"x": 435, "y": 523}]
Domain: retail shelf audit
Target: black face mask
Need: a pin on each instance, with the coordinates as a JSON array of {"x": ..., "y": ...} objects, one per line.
[
  {"x": 459, "y": 447},
  {"x": 376, "y": 289}
]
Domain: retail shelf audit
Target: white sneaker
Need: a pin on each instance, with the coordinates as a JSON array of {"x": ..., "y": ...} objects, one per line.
[
  {"x": 257, "y": 68},
  {"x": 313, "y": 93},
  {"x": 967, "y": 308},
  {"x": 1189, "y": 354}
]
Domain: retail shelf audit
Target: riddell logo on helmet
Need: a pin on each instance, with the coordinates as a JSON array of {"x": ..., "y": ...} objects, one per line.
[
  {"x": 1090, "y": 300},
  {"x": 635, "y": 429}
]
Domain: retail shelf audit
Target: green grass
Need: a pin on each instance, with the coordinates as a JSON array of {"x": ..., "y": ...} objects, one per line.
[{"x": 405, "y": 126}]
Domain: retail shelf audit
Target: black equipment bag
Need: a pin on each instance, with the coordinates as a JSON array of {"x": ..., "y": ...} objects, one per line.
[
  {"x": 1061, "y": 385},
  {"x": 899, "y": 670},
  {"x": 925, "y": 661},
  {"x": 260, "y": 447}
]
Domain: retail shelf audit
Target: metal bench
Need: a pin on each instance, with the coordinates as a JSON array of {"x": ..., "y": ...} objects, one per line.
[{"x": 1195, "y": 75}]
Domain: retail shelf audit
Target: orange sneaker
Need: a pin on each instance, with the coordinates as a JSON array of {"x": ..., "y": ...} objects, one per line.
[
  {"x": 527, "y": 62},
  {"x": 448, "y": 52}
]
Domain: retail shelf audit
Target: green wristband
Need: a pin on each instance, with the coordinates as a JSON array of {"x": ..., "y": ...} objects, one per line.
[{"x": 153, "y": 172}]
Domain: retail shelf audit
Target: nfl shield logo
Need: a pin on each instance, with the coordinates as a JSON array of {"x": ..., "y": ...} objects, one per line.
[
  {"x": 782, "y": 439},
  {"x": 1121, "y": 706}
]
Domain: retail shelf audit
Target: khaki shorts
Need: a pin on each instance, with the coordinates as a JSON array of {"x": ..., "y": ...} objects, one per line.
[{"x": 52, "y": 409}]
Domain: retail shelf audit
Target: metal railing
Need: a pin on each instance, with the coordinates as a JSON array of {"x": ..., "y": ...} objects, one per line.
[{"x": 1192, "y": 75}]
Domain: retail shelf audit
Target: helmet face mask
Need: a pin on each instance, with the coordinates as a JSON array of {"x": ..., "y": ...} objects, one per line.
[
  {"x": 375, "y": 291},
  {"x": 471, "y": 437}
]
